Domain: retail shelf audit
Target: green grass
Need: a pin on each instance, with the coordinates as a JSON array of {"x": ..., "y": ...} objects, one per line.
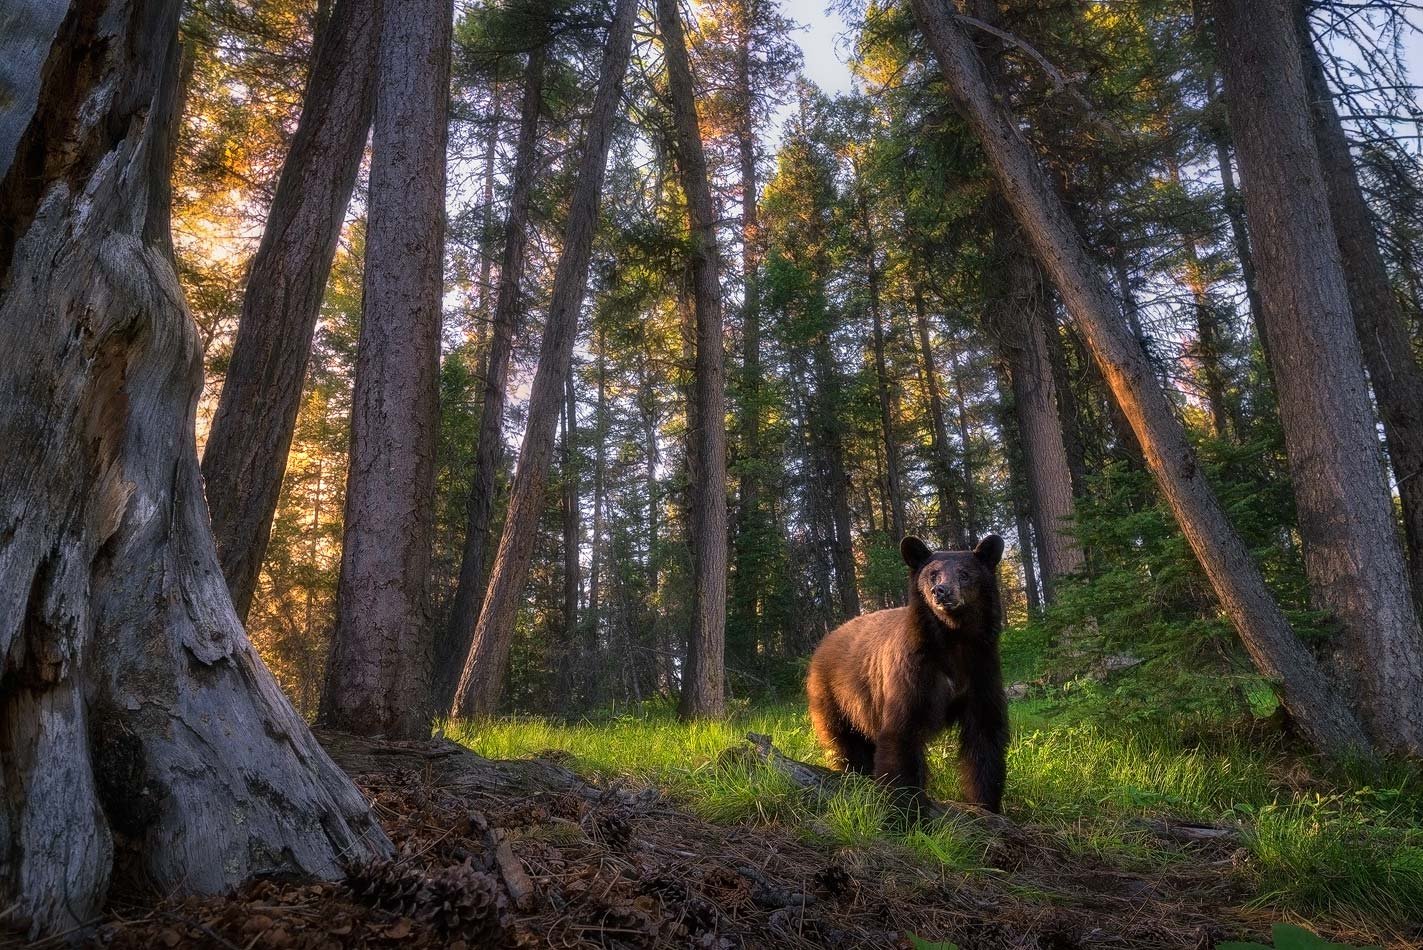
[{"x": 1321, "y": 843}]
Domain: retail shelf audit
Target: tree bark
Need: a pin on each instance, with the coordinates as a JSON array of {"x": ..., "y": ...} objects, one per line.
[
  {"x": 704, "y": 678},
  {"x": 1351, "y": 552},
  {"x": 951, "y": 526},
  {"x": 482, "y": 678},
  {"x": 453, "y": 646},
  {"x": 1023, "y": 338},
  {"x": 378, "y": 679},
  {"x": 893, "y": 485},
  {"x": 143, "y": 740},
  {"x": 246, "y": 452},
  {"x": 600, "y": 482},
  {"x": 826, "y": 427},
  {"x": 1321, "y": 712},
  {"x": 970, "y": 495},
  {"x": 572, "y": 529},
  {"x": 1388, "y": 352}
]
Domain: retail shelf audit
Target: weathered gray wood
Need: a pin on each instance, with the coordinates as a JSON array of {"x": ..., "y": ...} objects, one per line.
[
  {"x": 377, "y": 682},
  {"x": 131, "y": 701},
  {"x": 246, "y": 451},
  {"x": 482, "y": 678},
  {"x": 1324, "y": 716}
]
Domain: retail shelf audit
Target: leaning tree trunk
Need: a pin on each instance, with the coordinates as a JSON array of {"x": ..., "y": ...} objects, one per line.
[
  {"x": 1378, "y": 319},
  {"x": 246, "y": 452},
  {"x": 704, "y": 680},
  {"x": 1322, "y": 714},
  {"x": 482, "y": 678},
  {"x": 143, "y": 739},
  {"x": 1022, "y": 318},
  {"x": 378, "y": 677},
  {"x": 453, "y": 646},
  {"x": 1352, "y": 556}
]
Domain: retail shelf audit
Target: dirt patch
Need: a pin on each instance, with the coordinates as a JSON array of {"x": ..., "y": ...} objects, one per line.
[{"x": 528, "y": 854}]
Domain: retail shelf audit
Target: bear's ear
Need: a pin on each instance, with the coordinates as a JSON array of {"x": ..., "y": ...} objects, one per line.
[
  {"x": 915, "y": 553},
  {"x": 989, "y": 550}
]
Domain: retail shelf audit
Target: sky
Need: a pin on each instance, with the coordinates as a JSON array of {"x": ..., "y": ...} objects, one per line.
[{"x": 822, "y": 42}]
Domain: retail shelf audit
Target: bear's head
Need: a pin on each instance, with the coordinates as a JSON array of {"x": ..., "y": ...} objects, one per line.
[{"x": 954, "y": 583}]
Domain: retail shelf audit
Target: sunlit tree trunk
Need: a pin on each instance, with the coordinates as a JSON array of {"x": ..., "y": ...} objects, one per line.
[
  {"x": 137, "y": 718},
  {"x": 246, "y": 452},
  {"x": 704, "y": 679},
  {"x": 482, "y": 678},
  {"x": 1388, "y": 353},
  {"x": 1351, "y": 552},
  {"x": 378, "y": 679},
  {"x": 1320, "y": 711},
  {"x": 453, "y": 645}
]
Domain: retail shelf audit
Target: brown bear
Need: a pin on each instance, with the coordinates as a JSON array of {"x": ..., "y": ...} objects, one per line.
[{"x": 883, "y": 684}]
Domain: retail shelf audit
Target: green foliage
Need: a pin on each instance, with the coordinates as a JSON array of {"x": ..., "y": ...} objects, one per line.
[
  {"x": 1145, "y": 596},
  {"x": 1290, "y": 937},
  {"x": 1326, "y": 843},
  {"x": 919, "y": 943}
]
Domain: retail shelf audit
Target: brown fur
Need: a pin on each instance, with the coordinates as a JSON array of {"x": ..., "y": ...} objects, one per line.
[{"x": 882, "y": 685}]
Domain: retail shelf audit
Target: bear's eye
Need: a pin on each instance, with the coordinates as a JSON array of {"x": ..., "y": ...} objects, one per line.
[{"x": 963, "y": 576}]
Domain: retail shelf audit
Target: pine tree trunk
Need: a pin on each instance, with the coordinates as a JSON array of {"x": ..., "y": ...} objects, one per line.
[
  {"x": 593, "y": 626},
  {"x": 453, "y": 645},
  {"x": 704, "y": 680},
  {"x": 482, "y": 678},
  {"x": 1322, "y": 714},
  {"x": 1352, "y": 557},
  {"x": 246, "y": 452},
  {"x": 572, "y": 530},
  {"x": 893, "y": 484},
  {"x": 950, "y": 524},
  {"x": 970, "y": 494},
  {"x": 826, "y": 426},
  {"x": 1388, "y": 353},
  {"x": 749, "y": 488},
  {"x": 1021, "y": 318},
  {"x": 378, "y": 679},
  {"x": 138, "y": 720}
]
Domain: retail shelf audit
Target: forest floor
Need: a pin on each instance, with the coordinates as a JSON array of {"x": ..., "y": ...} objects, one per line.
[{"x": 643, "y": 832}]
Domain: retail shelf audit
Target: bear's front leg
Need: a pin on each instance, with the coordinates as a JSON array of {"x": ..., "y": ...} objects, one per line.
[
  {"x": 899, "y": 762},
  {"x": 983, "y": 747}
]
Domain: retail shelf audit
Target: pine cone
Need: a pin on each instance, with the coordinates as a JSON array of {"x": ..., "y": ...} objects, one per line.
[
  {"x": 615, "y": 827},
  {"x": 833, "y": 880},
  {"x": 457, "y": 901},
  {"x": 466, "y": 903}
]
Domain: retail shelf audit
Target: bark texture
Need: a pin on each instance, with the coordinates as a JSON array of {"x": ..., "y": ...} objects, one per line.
[
  {"x": 378, "y": 678},
  {"x": 950, "y": 521},
  {"x": 1351, "y": 551},
  {"x": 141, "y": 736},
  {"x": 246, "y": 452},
  {"x": 1322, "y": 714},
  {"x": 1378, "y": 319},
  {"x": 482, "y": 677},
  {"x": 453, "y": 646},
  {"x": 1022, "y": 330},
  {"x": 704, "y": 677}
]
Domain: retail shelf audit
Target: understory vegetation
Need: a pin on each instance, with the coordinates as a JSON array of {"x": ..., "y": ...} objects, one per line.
[{"x": 1331, "y": 847}]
